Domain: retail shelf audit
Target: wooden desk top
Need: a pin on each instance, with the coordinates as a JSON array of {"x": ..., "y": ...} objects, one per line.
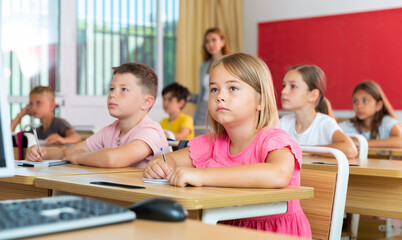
[
  {"x": 192, "y": 198},
  {"x": 27, "y": 175},
  {"x": 397, "y": 152},
  {"x": 142, "y": 229},
  {"x": 367, "y": 167}
]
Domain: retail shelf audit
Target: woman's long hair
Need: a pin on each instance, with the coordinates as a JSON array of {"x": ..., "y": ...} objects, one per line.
[{"x": 225, "y": 50}]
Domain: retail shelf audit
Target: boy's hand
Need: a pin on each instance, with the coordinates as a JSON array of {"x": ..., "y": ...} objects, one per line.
[
  {"x": 25, "y": 111},
  {"x": 157, "y": 168},
  {"x": 74, "y": 158},
  {"x": 55, "y": 139},
  {"x": 183, "y": 176},
  {"x": 33, "y": 155}
]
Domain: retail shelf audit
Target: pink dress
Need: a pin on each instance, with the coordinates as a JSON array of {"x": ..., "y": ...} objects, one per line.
[{"x": 206, "y": 152}]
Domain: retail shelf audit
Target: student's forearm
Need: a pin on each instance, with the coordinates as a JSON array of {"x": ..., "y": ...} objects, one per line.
[
  {"x": 260, "y": 175},
  {"x": 392, "y": 142},
  {"x": 54, "y": 153},
  {"x": 100, "y": 158},
  {"x": 179, "y": 158},
  {"x": 106, "y": 158},
  {"x": 348, "y": 148},
  {"x": 15, "y": 122},
  {"x": 182, "y": 134}
]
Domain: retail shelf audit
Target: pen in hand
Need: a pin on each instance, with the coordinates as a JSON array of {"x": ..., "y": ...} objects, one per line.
[
  {"x": 37, "y": 143},
  {"x": 163, "y": 155}
]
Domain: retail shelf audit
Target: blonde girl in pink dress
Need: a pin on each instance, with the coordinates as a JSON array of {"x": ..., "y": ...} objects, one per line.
[{"x": 245, "y": 149}]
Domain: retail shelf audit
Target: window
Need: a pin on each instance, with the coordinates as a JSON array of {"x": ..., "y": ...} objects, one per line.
[
  {"x": 30, "y": 43},
  {"x": 110, "y": 33}
]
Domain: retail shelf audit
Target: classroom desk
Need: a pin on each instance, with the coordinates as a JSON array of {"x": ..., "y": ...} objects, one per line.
[
  {"x": 385, "y": 153},
  {"x": 215, "y": 202},
  {"x": 22, "y": 184},
  {"x": 142, "y": 229},
  {"x": 375, "y": 186}
]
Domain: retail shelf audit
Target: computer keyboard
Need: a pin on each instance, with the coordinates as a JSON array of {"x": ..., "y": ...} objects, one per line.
[{"x": 30, "y": 217}]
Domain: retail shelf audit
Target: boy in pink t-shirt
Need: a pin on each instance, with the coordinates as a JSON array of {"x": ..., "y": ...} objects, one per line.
[{"x": 132, "y": 139}]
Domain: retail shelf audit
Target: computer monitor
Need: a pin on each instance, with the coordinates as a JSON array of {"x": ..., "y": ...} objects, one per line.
[{"x": 6, "y": 147}]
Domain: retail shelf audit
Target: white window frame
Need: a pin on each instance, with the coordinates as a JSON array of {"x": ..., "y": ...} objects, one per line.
[{"x": 92, "y": 110}]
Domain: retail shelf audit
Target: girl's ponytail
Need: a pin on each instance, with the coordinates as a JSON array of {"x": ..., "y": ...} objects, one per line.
[{"x": 322, "y": 105}]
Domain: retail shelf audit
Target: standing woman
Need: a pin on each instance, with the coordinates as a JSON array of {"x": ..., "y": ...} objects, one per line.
[{"x": 214, "y": 47}]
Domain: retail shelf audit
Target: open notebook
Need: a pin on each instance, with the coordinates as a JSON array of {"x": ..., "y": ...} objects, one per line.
[
  {"x": 157, "y": 181},
  {"x": 44, "y": 163}
]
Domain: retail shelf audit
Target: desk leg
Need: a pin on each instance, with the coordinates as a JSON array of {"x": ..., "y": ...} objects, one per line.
[
  {"x": 388, "y": 227},
  {"x": 213, "y": 215},
  {"x": 59, "y": 193},
  {"x": 354, "y": 226},
  {"x": 195, "y": 214}
]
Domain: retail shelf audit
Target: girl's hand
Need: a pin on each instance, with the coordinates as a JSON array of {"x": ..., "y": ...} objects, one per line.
[
  {"x": 55, "y": 139},
  {"x": 157, "y": 168},
  {"x": 183, "y": 176},
  {"x": 33, "y": 155}
]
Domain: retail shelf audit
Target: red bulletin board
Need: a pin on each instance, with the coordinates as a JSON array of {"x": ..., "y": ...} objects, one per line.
[{"x": 350, "y": 48}]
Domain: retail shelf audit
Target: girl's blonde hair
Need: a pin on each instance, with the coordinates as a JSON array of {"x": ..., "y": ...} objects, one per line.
[
  {"x": 225, "y": 50},
  {"x": 374, "y": 90},
  {"x": 256, "y": 74}
]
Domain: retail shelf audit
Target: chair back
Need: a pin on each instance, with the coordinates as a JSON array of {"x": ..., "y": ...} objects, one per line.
[
  {"x": 31, "y": 139},
  {"x": 325, "y": 211},
  {"x": 169, "y": 134},
  {"x": 363, "y": 144},
  {"x": 177, "y": 145},
  {"x": 85, "y": 131}
]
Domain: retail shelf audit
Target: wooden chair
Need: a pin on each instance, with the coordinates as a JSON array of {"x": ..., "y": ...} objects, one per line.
[
  {"x": 201, "y": 129},
  {"x": 325, "y": 211},
  {"x": 363, "y": 144},
  {"x": 363, "y": 154},
  {"x": 169, "y": 134},
  {"x": 177, "y": 145},
  {"x": 28, "y": 139},
  {"x": 399, "y": 237},
  {"x": 85, "y": 131},
  {"x": 170, "y": 137}
]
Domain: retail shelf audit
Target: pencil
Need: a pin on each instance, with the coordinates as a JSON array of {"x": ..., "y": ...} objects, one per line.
[
  {"x": 37, "y": 142},
  {"x": 163, "y": 155}
]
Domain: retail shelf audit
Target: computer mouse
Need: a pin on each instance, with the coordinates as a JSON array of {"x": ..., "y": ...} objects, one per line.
[{"x": 160, "y": 209}]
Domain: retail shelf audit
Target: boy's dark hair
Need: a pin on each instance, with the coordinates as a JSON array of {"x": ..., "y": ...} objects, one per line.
[
  {"x": 178, "y": 91},
  {"x": 145, "y": 74}
]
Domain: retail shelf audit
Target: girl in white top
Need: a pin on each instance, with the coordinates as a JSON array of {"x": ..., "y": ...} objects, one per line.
[
  {"x": 303, "y": 93},
  {"x": 375, "y": 118}
]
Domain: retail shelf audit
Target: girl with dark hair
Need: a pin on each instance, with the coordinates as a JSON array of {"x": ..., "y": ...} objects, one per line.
[
  {"x": 303, "y": 93},
  {"x": 375, "y": 118}
]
